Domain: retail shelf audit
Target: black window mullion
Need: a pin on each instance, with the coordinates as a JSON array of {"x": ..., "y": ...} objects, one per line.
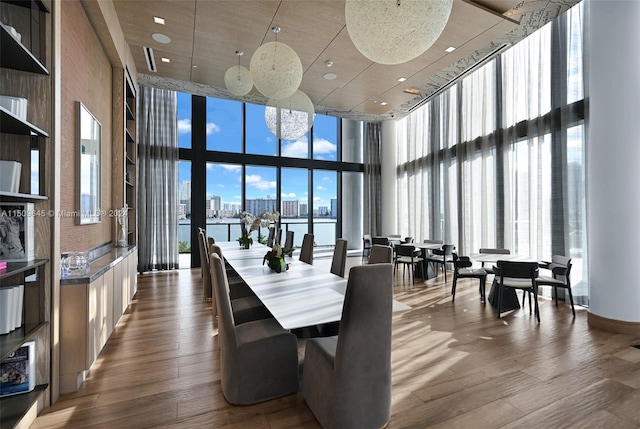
[{"x": 198, "y": 173}]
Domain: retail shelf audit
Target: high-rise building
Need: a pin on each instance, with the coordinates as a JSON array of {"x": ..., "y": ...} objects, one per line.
[
  {"x": 304, "y": 210},
  {"x": 334, "y": 208},
  {"x": 290, "y": 208},
  {"x": 260, "y": 205}
]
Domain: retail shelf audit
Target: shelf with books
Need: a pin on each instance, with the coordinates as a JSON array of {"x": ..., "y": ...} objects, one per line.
[
  {"x": 14, "y": 408},
  {"x": 25, "y": 60},
  {"x": 12, "y": 341}
]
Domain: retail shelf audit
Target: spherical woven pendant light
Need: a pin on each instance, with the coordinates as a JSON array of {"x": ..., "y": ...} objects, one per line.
[
  {"x": 238, "y": 79},
  {"x": 290, "y": 118},
  {"x": 276, "y": 69},
  {"x": 395, "y": 31}
]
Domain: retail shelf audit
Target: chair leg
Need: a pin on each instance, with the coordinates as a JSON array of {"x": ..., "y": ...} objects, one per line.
[
  {"x": 573, "y": 310},
  {"x": 555, "y": 292},
  {"x": 535, "y": 296},
  {"x": 500, "y": 289},
  {"x": 444, "y": 268},
  {"x": 483, "y": 283},
  {"x": 453, "y": 286},
  {"x": 529, "y": 293}
]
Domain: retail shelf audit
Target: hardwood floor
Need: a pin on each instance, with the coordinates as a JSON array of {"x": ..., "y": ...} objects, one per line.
[{"x": 455, "y": 365}]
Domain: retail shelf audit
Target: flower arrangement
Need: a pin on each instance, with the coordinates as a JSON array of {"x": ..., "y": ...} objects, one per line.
[
  {"x": 250, "y": 223},
  {"x": 275, "y": 258}
]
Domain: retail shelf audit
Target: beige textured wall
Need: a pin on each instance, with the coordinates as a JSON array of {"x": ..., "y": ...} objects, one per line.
[{"x": 86, "y": 77}]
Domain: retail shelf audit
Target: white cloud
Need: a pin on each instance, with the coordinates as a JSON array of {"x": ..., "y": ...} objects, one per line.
[
  {"x": 289, "y": 195},
  {"x": 220, "y": 185},
  {"x": 259, "y": 183},
  {"x": 184, "y": 126},
  {"x": 230, "y": 167},
  {"x": 321, "y": 188},
  {"x": 296, "y": 149},
  {"x": 326, "y": 179},
  {"x": 323, "y": 146},
  {"x": 317, "y": 199},
  {"x": 236, "y": 197},
  {"x": 212, "y": 128}
]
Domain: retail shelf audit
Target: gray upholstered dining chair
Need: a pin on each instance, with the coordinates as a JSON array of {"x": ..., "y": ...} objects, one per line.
[
  {"x": 441, "y": 257},
  {"x": 380, "y": 254},
  {"x": 347, "y": 378},
  {"x": 204, "y": 264},
  {"x": 407, "y": 254},
  {"x": 462, "y": 269},
  {"x": 306, "y": 251},
  {"x": 259, "y": 359},
  {"x": 560, "y": 267},
  {"x": 339, "y": 261},
  {"x": 517, "y": 275},
  {"x": 246, "y": 308},
  {"x": 288, "y": 242},
  {"x": 272, "y": 236}
]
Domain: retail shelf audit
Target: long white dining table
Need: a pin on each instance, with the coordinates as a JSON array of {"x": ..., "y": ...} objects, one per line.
[{"x": 304, "y": 295}]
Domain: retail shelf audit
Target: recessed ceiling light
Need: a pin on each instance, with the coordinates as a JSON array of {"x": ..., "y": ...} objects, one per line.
[
  {"x": 413, "y": 91},
  {"x": 195, "y": 66},
  {"x": 384, "y": 103},
  {"x": 450, "y": 49},
  {"x": 165, "y": 60},
  {"x": 161, "y": 38},
  {"x": 328, "y": 63},
  {"x": 330, "y": 76},
  {"x": 158, "y": 20},
  {"x": 402, "y": 79}
]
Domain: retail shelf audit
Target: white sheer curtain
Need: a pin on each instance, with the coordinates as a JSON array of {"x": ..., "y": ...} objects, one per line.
[
  {"x": 157, "y": 180},
  {"x": 497, "y": 160}
]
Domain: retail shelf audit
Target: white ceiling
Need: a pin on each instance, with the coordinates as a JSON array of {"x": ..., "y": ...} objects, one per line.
[{"x": 206, "y": 33}]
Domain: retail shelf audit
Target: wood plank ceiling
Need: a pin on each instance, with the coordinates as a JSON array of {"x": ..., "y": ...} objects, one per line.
[{"x": 206, "y": 33}]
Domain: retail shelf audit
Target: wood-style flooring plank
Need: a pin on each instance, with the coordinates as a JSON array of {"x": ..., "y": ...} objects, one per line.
[{"x": 455, "y": 365}]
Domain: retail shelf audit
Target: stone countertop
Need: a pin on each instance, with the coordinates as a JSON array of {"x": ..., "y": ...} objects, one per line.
[{"x": 97, "y": 267}]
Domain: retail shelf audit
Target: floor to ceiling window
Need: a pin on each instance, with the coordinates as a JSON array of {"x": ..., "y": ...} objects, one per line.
[
  {"x": 231, "y": 162},
  {"x": 497, "y": 159}
]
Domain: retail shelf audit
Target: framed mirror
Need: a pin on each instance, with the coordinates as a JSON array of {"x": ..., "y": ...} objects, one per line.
[{"x": 88, "y": 134}]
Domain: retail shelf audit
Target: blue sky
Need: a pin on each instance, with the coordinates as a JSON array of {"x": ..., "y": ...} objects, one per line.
[{"x": 224, "y": 133}]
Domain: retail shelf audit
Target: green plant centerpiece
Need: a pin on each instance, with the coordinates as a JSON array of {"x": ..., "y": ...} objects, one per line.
[{"x": 275, "y": 258}]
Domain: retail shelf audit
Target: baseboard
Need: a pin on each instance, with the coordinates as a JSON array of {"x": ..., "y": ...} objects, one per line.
[{"x": 612, "y": 325}]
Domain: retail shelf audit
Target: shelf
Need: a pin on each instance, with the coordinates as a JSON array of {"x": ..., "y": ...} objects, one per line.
[
  {"x": 129, "y": 160},
  {"x": 130, "y": 138},
  {"x": 128, "y": 183},
  {"x": 130, "y": 115},
  {"x": 11, "y": 124},
  {"x": 16, "y": 56},
  {"x": 19, "y": 267},
  {"x": 16, "y": 196},
  {"x": 14, "y": 408},
  {"x": 12, "y": 341}
]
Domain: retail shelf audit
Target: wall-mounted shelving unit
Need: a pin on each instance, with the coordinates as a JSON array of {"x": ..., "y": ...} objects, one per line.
[
  {"x": 24, "y": 73},
  {"x": 131, "y": 157}
]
